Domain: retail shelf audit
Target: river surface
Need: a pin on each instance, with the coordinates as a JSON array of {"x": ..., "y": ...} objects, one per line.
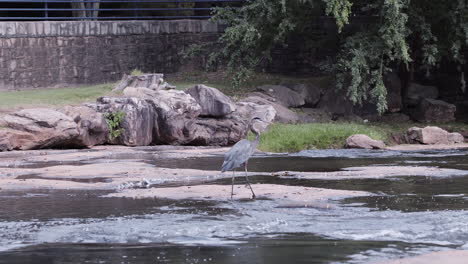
[{"x": 404, "y": 216}]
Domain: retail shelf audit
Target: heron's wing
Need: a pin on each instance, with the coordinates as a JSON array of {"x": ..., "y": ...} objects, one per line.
[{"x": 237, "y": 155}]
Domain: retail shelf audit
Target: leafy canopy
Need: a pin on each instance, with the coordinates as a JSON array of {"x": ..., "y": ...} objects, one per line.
[{"x": 400, "y": 32}]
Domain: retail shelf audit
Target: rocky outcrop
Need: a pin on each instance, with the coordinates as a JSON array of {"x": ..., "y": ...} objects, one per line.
[
  {"x": 137, "y": 123},
  {"x": 430, "y": 110},
  {"x": 284, "y": 95},
  {"x": 213, "y": 103},
  {"x": 44, "y": 127},
  {"x": 92, "y": 126},
  {"x": 363, "y": 142},
  {"x": 152, "y": 81}
]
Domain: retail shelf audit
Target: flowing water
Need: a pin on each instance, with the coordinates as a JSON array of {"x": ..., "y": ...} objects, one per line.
[{"x": 404, "y": 216}]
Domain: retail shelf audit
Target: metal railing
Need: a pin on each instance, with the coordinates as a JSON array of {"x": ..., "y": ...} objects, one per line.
[{"x": 17, "y": 10}]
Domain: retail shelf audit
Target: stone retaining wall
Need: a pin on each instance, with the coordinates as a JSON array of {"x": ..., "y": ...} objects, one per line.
[{"x": 52, "y": 53}]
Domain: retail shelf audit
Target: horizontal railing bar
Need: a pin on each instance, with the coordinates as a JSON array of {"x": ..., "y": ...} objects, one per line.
[
  {"x": 117, "y": 1},
  {"x": 105, "y": 9},
  {"x": 100, "y": 18}
]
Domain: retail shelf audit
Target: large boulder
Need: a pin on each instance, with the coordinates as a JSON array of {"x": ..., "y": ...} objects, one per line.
[
  {"x": 247, "y": 111},
  {"x": 336, "y": 103},
  {"x": 138, "y": 121},
  {"x": 363, "y": 142},
  {"x": 454, "y": 138},
  {"x": 11, "y": 139},
  {"x": 283, "y": 114},
  {"x": 430, "y": 110},
  {"x": 310, "y": 93},
  {"x": 92, "y": 125},
  {"x": 216, "y": 132},
  {"x": 417, "y": 92},
  {"x": 213, "y": 102},
  {"x": 284, "y": 95},
  {"x": 49, "y": 128},
  {"x": 428, "y": 135}
]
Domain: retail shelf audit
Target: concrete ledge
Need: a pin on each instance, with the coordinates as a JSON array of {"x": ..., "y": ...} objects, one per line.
[{"x": 104, "y": 28}]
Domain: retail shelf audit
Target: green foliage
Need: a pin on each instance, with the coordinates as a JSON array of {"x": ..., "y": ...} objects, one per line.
[
  {"x": 136, "y": 72},
  {"x": 416, "y": 34},
  {"x": 114, "y": 121}
]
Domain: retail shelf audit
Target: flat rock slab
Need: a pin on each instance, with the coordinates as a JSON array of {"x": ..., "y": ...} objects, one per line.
[
  {"x": 375, "y": 172},
  {"x": 223, "y": 192},
  {"x": 410, "y": 147},
  {"x": 450, "y": 256}
]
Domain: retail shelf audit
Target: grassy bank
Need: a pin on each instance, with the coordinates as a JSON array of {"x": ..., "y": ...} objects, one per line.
[
  {"x": 292, "y": 138},
  {"x": 55, "y": 96}
]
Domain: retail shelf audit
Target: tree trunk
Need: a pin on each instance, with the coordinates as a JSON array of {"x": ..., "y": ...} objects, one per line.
[
  {"x": 78, "y": 5},
  {"x": 406, "y": 75}
]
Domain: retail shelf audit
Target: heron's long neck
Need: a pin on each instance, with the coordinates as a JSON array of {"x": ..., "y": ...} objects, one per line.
[{"x": 257, "y": 138}]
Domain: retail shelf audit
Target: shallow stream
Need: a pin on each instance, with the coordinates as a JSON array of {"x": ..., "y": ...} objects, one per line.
[{"x": 404, "y": 216}]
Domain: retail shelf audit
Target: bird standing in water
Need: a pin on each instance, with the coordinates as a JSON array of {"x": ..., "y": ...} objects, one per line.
[{"x": 240, "y": 153}]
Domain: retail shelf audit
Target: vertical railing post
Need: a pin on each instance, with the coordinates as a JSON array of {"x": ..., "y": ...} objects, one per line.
[
  {"x": 135, "y": 8},
  {"x": 46, "y": 8}
]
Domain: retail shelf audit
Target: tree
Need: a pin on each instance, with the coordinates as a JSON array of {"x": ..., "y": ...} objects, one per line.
[
  {"x": 85, "y": 9},
  {"x": 412, "y": 34}
]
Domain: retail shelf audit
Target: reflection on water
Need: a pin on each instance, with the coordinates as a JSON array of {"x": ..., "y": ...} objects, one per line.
[{"x": 406, "y": 215}]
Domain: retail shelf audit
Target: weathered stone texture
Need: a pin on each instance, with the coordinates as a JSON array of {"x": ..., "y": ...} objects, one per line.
[{"x": 50, "y": 53}]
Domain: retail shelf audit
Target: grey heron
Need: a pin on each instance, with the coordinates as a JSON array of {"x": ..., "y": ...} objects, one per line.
[{"x": 239, "y": 155}]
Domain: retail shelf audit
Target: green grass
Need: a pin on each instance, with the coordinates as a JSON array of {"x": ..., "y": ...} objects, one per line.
[
  {"x": 56, "y": 96},
  {"x": 292, "y": 138}
]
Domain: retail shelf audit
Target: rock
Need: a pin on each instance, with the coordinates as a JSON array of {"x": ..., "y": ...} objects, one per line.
[
  {"x": 310, "y": 93},
  {"x": 213, "y": 102},
  {"x": 11, "y": 139},
  {"x": 283, "y": 114},
  {"x": 430, "y": 110},
  {"x": 284, "y": 95},
  {"x": 49, "y": 128},
  {"x": 250, "y": 110},
  {"x": 454, "y": 138},
  {"x": 152, "y": 81},
  {"x": 363, "y": 142},
  {"x": 92, "y": 126},
  {"x": 393, "y": 84},
  {"x": 216, "y": 132},
  {"x": 335, "y": 102},
  {"x": 314, "y": 115},
  {"x": 428, "y": 135},
  {"x": 417, "y": 92},
  {"x": 138, "y": 122}
]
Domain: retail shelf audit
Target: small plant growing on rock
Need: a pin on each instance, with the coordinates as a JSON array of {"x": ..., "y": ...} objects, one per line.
[
  {"x": 114, "y": 120},
  {"x": 136, "y": 72}
]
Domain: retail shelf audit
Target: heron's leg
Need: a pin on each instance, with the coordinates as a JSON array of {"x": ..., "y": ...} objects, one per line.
[
  {"x": 247, "y": 178},
  {"x": 232, "y": 186}
]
